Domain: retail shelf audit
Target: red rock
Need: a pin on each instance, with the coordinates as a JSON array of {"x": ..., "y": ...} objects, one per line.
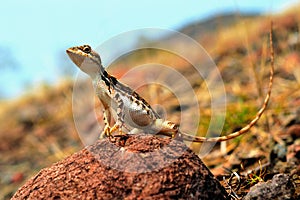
[{"x": 131, "y": 167}]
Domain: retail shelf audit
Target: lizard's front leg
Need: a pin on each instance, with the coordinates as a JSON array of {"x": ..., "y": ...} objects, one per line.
[
  {"x": 120, "y": 114},
  {"x": 106, "y": 118}
]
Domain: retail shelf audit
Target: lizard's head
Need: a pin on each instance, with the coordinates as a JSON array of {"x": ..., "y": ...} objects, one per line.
[{"x": 86, "y": 59}]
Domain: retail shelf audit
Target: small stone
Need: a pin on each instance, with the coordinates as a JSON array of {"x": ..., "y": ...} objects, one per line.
[{"x": 280, "y": 187}]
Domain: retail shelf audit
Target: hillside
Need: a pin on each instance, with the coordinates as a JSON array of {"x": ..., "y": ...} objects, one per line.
[{"x": 214, "y": 23}]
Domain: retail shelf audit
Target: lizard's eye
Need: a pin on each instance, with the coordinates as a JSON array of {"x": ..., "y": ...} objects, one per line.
[{"x": 87, "y": 49}]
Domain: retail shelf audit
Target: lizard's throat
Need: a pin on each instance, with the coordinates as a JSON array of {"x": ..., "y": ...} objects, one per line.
[{"x": 90, "y": 68}]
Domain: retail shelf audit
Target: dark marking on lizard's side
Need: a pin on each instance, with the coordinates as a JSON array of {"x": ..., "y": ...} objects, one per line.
[
  {"x": 109, "y": 80},
  {"x": 134, "y": 97},
  {"x": 129, "y": 92},
  {"x": 106, "y": 82},
  {"x": 105, "y": 74},
  {"x": 113, "y": 79}
]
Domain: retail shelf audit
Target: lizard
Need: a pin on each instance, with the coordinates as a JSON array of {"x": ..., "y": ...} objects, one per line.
[{"x": 133, "y": 110}]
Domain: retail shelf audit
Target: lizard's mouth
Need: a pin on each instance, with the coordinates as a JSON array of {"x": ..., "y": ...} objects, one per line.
[
  {"x": 84, "y": 63},
  {"x": 78, "y": 60}
]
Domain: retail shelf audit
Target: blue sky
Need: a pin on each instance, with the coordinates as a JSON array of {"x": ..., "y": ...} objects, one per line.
[{"x": 35, "y": 33}]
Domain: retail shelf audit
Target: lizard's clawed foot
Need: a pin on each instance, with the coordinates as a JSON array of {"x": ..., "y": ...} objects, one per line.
[
  {"x": 118, "y": 129},
  {"x": 108, "y": 131}
]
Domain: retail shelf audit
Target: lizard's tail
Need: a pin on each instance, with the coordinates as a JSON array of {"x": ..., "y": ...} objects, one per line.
[{"x": 246, "y": 128}]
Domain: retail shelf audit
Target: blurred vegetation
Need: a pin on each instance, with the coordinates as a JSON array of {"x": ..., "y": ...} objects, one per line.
[{"x": 37, "y": 129}]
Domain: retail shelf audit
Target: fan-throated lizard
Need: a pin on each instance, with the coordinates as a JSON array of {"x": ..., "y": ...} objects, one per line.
[{"x": 132, "y": 109}]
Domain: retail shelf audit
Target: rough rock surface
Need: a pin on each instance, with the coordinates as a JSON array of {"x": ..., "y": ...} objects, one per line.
[
  {"x": 129, "y": 167},
  {"x": 280, "y": 187}
]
